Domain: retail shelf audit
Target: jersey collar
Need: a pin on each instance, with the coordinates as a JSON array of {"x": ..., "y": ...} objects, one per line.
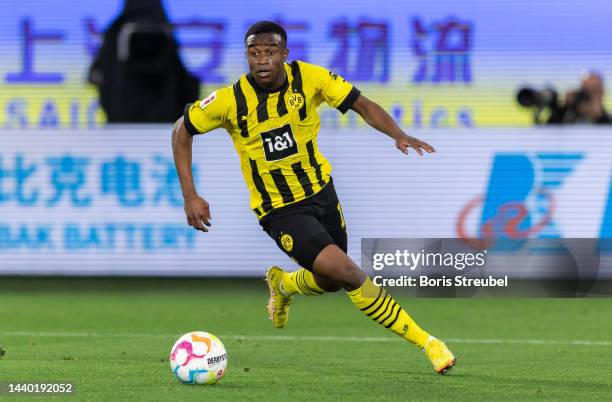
[{"x": 260, "y": 89}]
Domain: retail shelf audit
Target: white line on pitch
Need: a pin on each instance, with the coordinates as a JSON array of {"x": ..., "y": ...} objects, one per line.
[{"x": 307, "y": 338}]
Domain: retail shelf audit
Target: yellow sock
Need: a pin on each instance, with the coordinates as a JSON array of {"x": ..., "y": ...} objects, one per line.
[
  {"x": 301, "y": 281},
  {"x": 377, "y": 303}
]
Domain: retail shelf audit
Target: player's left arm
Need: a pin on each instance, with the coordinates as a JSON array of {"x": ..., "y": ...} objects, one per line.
[
  {"x": 340, "y": 94},
  {"x": 378, "y": 118}
]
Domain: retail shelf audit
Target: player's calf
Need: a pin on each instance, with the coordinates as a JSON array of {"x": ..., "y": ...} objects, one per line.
[{"x": 327, "y": 284}]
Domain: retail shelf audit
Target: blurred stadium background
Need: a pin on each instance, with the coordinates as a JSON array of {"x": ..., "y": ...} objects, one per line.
[
  {"x": 446, "y": 64},
  {"x": 79, "y": 197}
]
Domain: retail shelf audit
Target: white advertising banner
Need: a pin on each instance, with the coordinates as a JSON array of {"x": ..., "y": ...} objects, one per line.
[{"x": 108, "y": 201}]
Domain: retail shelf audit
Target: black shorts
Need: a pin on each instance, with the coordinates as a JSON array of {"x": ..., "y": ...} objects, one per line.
[{"x": 305, "y": 228}]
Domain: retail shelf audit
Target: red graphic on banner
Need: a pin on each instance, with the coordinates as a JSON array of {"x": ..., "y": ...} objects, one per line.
[{"x": 509, "y": 218}]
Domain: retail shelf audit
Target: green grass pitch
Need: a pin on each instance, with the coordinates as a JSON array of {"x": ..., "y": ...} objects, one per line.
[{"x": 111, "y": 338}]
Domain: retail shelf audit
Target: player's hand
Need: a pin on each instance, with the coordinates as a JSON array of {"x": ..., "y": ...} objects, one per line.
[
  {"x": 197, "y": 212},
  {"x": 406, "y": 141}
]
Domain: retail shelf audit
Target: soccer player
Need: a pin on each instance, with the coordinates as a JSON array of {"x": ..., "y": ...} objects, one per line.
[{"x": 271, "y": 116}]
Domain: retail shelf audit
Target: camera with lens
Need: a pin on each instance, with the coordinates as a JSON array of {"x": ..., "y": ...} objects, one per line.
[
  {"x": 546, "y": 106},
  {"x": 543, "y": 102},
  {"x": 540, "y": 99}
]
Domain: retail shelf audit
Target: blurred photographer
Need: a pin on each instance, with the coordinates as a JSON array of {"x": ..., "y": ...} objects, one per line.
[
  {"x": 584, "y": 105},
  {"x": 138, "y": 70}
]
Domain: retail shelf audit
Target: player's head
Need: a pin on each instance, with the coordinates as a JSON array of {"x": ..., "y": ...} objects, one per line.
[{"x": 266, "y": 52}]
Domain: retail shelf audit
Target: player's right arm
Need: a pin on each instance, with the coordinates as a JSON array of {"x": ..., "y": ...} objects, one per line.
[
  {"x": 200, "y": 117},
  {"x": 196, "y": 207}
]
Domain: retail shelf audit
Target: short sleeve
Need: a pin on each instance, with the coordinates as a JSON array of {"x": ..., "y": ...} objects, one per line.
[
  {"x": 206, "y": 114},
  {"x": 336, "y": 91}
]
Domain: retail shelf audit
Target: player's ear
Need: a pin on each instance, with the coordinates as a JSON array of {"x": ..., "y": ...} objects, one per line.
[{"x": 285, "y": 54}]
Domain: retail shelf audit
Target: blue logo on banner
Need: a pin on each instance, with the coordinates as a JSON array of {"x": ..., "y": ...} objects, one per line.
[
  {"x": 519, "y": 201},
  {"x": 606, "y": 226}
]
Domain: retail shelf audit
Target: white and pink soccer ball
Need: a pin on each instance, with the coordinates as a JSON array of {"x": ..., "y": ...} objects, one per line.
[{"x": 198, "y": 358}]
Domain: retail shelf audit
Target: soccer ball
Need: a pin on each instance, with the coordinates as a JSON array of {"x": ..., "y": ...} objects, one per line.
[{"x": 198, "y": 358}]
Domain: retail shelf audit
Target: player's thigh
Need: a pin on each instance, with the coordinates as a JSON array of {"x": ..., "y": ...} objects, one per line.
[{"x": 300, "y": 235}]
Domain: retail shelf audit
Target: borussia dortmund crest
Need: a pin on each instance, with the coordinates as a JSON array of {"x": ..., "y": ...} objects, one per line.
[
  {"x": 287, "y": 242},
  {"x": 295, "y": 100}
]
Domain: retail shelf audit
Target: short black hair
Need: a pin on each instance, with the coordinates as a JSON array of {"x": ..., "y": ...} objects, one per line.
[{"x": 266, "y": 27}]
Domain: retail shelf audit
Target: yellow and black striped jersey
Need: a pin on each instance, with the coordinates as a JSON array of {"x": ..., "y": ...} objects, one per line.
[{"x": 275, "y": 132}]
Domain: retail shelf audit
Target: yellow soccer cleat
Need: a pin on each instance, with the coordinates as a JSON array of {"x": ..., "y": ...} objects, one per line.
[
  {"x": 442, "y": 359},
  {"x": 278, "y": 304}
]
